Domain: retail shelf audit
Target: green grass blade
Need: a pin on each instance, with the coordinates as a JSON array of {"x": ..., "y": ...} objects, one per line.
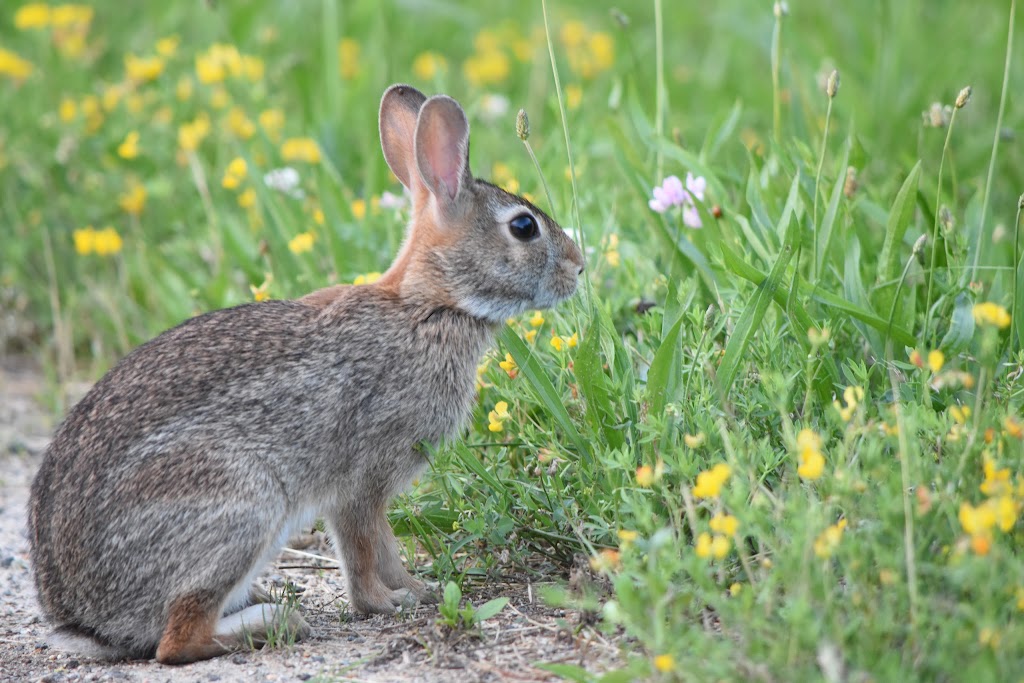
[
  {"x": 900, "y": 214},
  {"x": 828, "y": 221},
  {"x": 595, "y": 386},
  {"x": 663, "y": 378},
  {"x": 753, "y": 314},
  {"x": 543, "y": 389}
]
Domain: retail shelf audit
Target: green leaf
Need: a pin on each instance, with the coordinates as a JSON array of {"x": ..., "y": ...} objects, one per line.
[
  {"x": 568, "y": 671},
  {"x": 753, "y": 314},
  {"x": 896, "y": 227},
  {"x": 595, "y": 386},
  {"x": 545, "y": 392},
  {"x": 828, "y": 221},
  {"x": 489, "y": 609},
  {"x": 452, "y": 594},
  {"x": 663, "y": 380},
  {"x": 961, "y": 325}
]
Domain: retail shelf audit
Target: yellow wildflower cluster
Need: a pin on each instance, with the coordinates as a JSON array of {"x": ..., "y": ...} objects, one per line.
[
  {"x": 664, "y": 663},
  {"x": 611, "y": 250},
  {"x": 129, "y": 149},
  {"x": 143, "y": 69},
  {"x": 646, "y": 476},
  {"x": 936, "y": 359},
  {"x": 221, "y": 61},
  {"x": 718, "y": 545},
  {"x": 989, "y": 313},
  {"x": 812, "y": 461},
  {"x": 348, "y": 58},
  {"x": 272, "y": 121},
  {"x": 367, "y": 279},
  {"x": 239, "y": 123},
  {"x": 103, "y": 242},
  {"x": 262, "y": 293},
  {"x": 1000, "y": 509},
  {"x": 428, "y": 65},
  {"x": 710, "y": 482},
  {"x": 14, "y": 66},
  {"x": 497, "y": 417},
  {"x": 960, "y": 415},
  {"x": 192, "y": 133},
  {"x": 69, "y": 23},
  {"x": 489, "y": 64},
  {"x": 606, "y": 560},
  {"x": 694, "y": 441},
  {"x": 589, "y": 52},
  {"x": 134, "y": 200},
  {"x": 509, "y": 366},
  {"x": 827, "y": 542},
  {"x": 559, "y": 343},
  {"x": 235, "y": 174},
  {"x": 301, "y": 243},
  {"x": 852, "y": 397},
  {"x": 300, "y": 149}
]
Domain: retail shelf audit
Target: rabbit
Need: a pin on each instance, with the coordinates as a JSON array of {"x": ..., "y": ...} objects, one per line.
[{"x": 186, "y": 467}]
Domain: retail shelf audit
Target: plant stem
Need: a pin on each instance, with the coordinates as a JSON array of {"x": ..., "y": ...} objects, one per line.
[
  {"x": 935, "y": 231},
  {"x": 817, "y": 187},
  {"x": 659, "y": 115},
  {"x": 995, "y": 140},
  {"x": 776, "y": 95}
]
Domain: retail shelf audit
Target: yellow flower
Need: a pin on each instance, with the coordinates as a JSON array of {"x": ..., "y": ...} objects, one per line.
[
  {"x": 85, "y": 240},
  {"x": 724, "y": 524},
  {"x": 537, "y": 319},
  {"x": 71, "y": 15},
  {"x": 645, "y": 476},
  {"x": 300, "y": 149},
  {"x": 613, "y": 258},
  {"x": 129, "y": 149},
  {"x": 508, "y": 365},
  {"x": 190, "y": 135},
  {"x": 852, "y": 396},
  {"x": 367, "y": 279},
  {"x": 253, "y": 68},
  {"x": 825, "y": 545},
  {"x": 348, "y": 58},
  {"x": 107, "y": 242},
  {"x": 977, "y": 520},
  {"x": 626, "y": 536},
  {"x": 318, "y": 216},
  {"x": 262, "y": 293},
  {"x": 996, "y": 481},
  {"x": 14, "y": 66},
  {"x": 214, "y": 65},
  {"x": 573, "y": 33},
  {"x": 694, "y": 440},
  {"x": 812, "y": 462},
  {"x": 497, "y": 417},
  {"x": 710, "y": 482},
  {"x": 557, "y": 342},
  {"x": 606, "y": 560},
  {"x": 247, "y": 199},
  {"x": 1005, "y": 512},
  {"x": 183, "y": 89},
  {"x": 936, "y": 359},
  {"x": 358, "y": 207},
  {"x": 602, "y": 50},
  {"x": 32, "y": 15},
  {"x": 166, "y": 47},
  {"x": 735, "y": 588},
  {"x": 573, "y": 96},
  {"x": 708, "y": 546},
  {"x": 301, "y": 243},
  {"x": 143, "y": 69},
  {"x": 989, "y": 313},
  {"x": 664, "y": 663},
  {"x": 530, "y": 336},
  {"x": 68, "y": 110},
  {"x": 220, "y": 98},
  {"x": 272, "y": 121},
  {"x": 916, "y": 359},
  {"x": 486, "y": 68},
  {"x": 239, "y": 123},
  {"x": 134, "y": 200},
  {"x": 960, "y": 414},
  {"x": 235, "y": 173},
  {"x": 428, "y": 65}
]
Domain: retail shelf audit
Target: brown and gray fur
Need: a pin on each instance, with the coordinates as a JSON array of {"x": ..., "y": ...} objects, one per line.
[{"x": 184, "y": 470}]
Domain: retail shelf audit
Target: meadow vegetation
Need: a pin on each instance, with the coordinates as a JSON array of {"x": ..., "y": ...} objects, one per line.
[{"x": 781, "y": 419}]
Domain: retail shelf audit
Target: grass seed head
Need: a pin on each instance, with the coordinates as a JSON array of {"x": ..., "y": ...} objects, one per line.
[
  {"x": 523, "y": 125},
  {"x": 963, "y": 98},
  {"x": 832, "y": 85}
]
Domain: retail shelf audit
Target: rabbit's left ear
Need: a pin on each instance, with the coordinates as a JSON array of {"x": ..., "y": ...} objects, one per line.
[
  {"x": 399, "y": 108},
  {"x": 442, "y": 150}
]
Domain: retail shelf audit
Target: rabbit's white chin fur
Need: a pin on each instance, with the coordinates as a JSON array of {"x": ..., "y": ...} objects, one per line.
[{"x": 492, "y": 310}]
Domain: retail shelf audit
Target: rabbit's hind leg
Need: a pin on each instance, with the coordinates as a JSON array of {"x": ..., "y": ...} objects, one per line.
[
  {"x": 195, "y": 632},
  {"x": 392, "y": 569}
]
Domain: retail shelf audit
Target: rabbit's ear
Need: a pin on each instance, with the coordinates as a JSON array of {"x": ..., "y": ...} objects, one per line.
[
  {"x": 442, "y": 149},
  {"x": 399, "y": 108}
]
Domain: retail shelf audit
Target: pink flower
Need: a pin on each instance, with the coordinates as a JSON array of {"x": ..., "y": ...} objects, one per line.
[{"x": 671, "y": 193}]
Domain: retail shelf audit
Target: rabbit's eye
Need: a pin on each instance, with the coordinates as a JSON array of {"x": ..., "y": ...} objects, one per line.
[{"x": 524, "y": 227}]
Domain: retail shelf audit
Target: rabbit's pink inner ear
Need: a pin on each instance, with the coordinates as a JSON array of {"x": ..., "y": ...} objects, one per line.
[
  {"x": 442, "y": 147},
  {"x": 399, "y": 109}
]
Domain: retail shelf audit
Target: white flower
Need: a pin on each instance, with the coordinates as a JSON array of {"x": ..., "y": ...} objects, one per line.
[
  {"x": 285, "y": 180},
  {"x": 392, "y": 201},
  {"x": 493, "y": 107}
]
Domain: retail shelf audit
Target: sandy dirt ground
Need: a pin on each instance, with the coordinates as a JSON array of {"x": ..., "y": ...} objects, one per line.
[{"x": 405, "y": 648}]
